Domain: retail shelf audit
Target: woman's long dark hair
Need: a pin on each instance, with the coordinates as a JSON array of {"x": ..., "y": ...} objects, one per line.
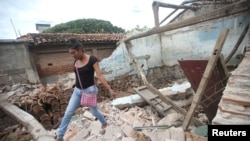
[{"x": 73, "y": 43}]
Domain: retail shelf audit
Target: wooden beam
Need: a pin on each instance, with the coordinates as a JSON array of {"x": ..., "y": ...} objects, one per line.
[
  {"x": 166, "y": 5},
  {"x": 236, "y": 46},
  {"x": 156, "y": 14},
  {"x": 157, "y": 4},
  {"x": 222, "y": 61},
  {"x": 128, "y": 46},
  {"x": 222, "y": 12},
  {"x": 206, "y": 77},
  {"x": 36, "y": 130}
]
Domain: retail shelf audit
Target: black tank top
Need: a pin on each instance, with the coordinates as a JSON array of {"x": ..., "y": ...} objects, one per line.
[{"x": 86, "y": 73}]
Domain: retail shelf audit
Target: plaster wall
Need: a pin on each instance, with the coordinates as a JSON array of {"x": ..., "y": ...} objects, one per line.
[
  {"x": 15, "y": 63},
  {"x": 198, "y": 41},
  {"x": 165, "y": 49}
]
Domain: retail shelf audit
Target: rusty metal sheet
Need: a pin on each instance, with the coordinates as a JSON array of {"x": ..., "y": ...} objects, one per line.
[{"x": 193, "y": 70}]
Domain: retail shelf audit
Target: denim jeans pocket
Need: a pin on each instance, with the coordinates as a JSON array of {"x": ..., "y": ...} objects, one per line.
[{"x": 91, "y": 90}]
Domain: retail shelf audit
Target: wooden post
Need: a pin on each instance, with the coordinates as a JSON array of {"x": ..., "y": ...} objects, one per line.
[
  {"x": 156, "y": 14},
  {"x": 236, "y": 46},
  {"x": 206, "y": 77}
]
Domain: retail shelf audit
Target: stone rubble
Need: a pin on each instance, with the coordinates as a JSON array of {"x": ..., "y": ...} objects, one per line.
[{"x": 122, "y": 120}]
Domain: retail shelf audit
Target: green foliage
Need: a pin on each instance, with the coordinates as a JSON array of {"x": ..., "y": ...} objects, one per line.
[
  {"x": 85, "y": 26},
  {"x": 138, "y": 28}
]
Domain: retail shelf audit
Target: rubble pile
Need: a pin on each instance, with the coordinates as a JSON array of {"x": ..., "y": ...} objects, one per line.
[
  {"x": 130, "y": 123},
  {"x": 46, "y": 103}
]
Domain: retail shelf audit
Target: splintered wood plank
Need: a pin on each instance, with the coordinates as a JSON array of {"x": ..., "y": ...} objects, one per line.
[
  {"x": 153, "y": 99},
  {"x": 145, "y": 93},
  {"x": 206, "y": 77}
]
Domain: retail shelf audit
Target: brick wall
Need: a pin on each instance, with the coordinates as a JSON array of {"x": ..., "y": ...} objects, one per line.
[
  {"x": 49, "y": 64},
  {"x": 159, "y": 77},
  {"x": 52, "y": 60}
]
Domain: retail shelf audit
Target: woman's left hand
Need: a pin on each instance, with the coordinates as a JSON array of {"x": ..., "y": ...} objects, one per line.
[{"x": 112, "y": 93}]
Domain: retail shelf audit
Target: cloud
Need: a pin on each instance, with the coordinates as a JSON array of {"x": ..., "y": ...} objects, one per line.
[{"x": 25, "y": 14}]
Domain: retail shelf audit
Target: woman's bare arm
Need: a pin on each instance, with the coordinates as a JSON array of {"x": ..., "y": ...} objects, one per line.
[{"x": 100, "y": 77}]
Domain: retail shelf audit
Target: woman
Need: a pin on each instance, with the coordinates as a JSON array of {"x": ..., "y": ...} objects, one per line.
[{"x": 87, "y": 66}]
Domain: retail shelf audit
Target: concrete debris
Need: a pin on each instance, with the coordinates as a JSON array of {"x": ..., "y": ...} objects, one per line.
[
  {"x": 123, "y": 115},
  {"x": 129, "y": 101},
  {"x": 178, "y": 91}
]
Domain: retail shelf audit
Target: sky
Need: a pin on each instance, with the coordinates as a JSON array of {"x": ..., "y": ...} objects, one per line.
[{"x": 19, "y": 17}]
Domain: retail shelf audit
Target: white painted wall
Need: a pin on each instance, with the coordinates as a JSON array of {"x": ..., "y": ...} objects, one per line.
[
  {"x": 198, "y": 41},
  {"x": 193, "y": 42}
]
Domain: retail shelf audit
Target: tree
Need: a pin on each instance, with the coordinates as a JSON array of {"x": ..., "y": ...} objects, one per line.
[
  {"x": 85, "y": 26},
  {"x": 138, "y": 28}
]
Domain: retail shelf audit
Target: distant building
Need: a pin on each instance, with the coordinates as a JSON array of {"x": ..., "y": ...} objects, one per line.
[{"x": 41, "y": 27}]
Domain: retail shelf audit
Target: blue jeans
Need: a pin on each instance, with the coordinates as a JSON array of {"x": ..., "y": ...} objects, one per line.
[{"x": 73, "y": 104}]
